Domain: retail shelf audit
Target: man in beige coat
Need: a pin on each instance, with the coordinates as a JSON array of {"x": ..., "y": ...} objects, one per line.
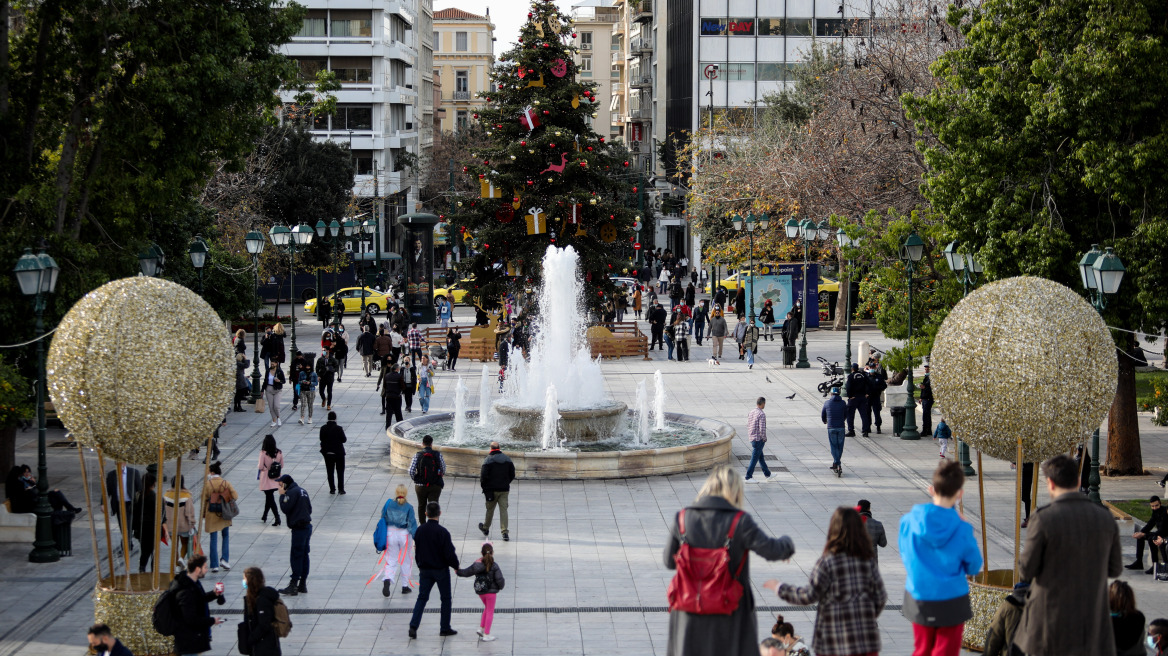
[{"x": 1072, "y": 547}]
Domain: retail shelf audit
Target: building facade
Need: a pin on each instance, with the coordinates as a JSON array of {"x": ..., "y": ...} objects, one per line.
[
  {"x": 600, "y": 59},
  {"x": 373, "y": 49},
  {"x": 464, "y": 52}
]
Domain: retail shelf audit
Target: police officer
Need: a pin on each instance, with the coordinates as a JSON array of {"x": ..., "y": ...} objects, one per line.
[
  {"x": 856, "y": 389},
  {"x": 876, "y": 385},
  {"x": 926, "y": 404}
]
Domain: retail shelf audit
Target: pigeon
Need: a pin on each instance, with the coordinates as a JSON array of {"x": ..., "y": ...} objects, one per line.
[
  {"x": 791, "y": 397},
  {"x": 768, "y": 378}
]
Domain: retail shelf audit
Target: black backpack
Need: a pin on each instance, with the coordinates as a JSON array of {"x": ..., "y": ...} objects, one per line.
[
  {"x": 274, "y": 470},
  {"x": 427, "y": 472},
  {"x": 166, "y": 613}
]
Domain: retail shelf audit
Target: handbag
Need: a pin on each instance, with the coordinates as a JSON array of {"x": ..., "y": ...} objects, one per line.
[
  {"x": 243, "y": 637},
  {"x": 259, "y": 405}
]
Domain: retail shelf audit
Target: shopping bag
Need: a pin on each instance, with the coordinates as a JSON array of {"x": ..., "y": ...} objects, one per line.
[{"x": 260, "y": 405}]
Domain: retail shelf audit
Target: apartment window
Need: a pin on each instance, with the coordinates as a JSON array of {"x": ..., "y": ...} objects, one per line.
[
  {"x": 615, "y": 72},
  {"x": 310, "y": 66},
  {"x": 460, "y": 41},
  {"x": 353, "y": 70},
  {"x": 314, "y": 23},
  {"x": 352, "y": 24},
  {"x": 461, "y": 120},
  {"x": 462, "y": 81},
  {"x": 586, "y": 40},
  {"x": 586, "y": 66},
  {"x": 616, "y": 42},
  {"x": 363, "y": 162},
  {"x": 437, "y": 41},
  {"x": 353, "y": 117}
]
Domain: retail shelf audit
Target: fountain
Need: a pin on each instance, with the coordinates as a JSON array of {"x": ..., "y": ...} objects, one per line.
[{"x": 555, "y": 419}]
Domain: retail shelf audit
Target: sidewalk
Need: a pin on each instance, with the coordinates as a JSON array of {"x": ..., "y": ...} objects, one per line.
[{"x": 584, "y": 567}]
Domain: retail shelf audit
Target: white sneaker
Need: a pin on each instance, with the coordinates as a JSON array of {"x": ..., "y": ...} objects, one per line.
[
  {"x": 753, "y": 480},
  {"x": 300, "y": 421},
  {"x": 488, "y": 638},
  {"x": 214, "y": 569},
  {"x": 182, "y": 564},
  {"x": 273, "y": 424},
  {"x": 309, "y": 422},
  {"x": 224, "y": 564},
  {"x": 279, "y": 422}
]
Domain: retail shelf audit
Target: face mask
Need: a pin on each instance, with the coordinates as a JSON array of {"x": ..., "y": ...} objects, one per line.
[
  {"x": 1151, "y": 640},
  {"x": 244, "y": 584}
]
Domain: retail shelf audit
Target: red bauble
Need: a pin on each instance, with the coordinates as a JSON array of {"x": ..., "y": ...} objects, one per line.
[
  {"x": 585, "y": 164},
  {"x": 602, "y": 140},
  {"x": 498, "y": 126},
  {"x": 529, "y": 14},
  {"x": 634, "y": 190},
  {"x": 588, "y": 94},
  {"x": 464, "y": 169},
  {"x": 482, "y": 176},
  {"x": 551, "y": 145},
  {"x": 573, "y": 35},
  {"x": 590, "y": 149},
  {"x": 486, "y": 162},
  {"x": 515, "y": 199},
  {"x": 626, "y": 162},
  {"x": 476, "y": 115},
  {"x": 530, "y": 182},
  {"x": 545, "y": 44},
  {"x": 531, "y": 71},
  {"x": 610, "y": 266},
  {"x": 611, "y": 217},
  {"x": 520, "y": 39},
  {"x": 522, "y": 143},
  {"x": 546, "y": 112},
  {"x": 486, "y": 246}
]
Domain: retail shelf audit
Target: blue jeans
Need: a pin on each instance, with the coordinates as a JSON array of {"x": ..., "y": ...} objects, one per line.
[
  {"x": 215, "y": 546},
  {"x": 756, "y": 458},
  {"x": 698, "y": 329},
  {"x": 835, "y": 437},
  {"x": 424, "y": 396},
  {"x": 749, "y": 355},
  {"x": 669, "y": 343},
  {"x": 427, "y": 578},
  {"x": 299, "y": 555}
]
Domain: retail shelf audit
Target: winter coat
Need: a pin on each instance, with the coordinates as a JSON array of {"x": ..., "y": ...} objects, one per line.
[
  {"x": 433, "y": 548},
  {"x": 690, "y": 293},
  {"x": 365, "y": 343},
  {"x": 926, "y": 388},
  {"x": 720, "y": 297},
  {"x": 850, "y": 595},
  {"x": 194, "y": 619},
  {"x": 707, "y": 522},
  {"x": 275, "y": 347},
  {"x": 279, "y": 378},
  {"x": 216, "y": 490},
  {"x": 495, "y": 577},
  {"x": 856, "y": 385},
  {"x": 740, "y": 332},
  {"x": 241, "y": 373},
  {"x": 699, "y": 316},
  {"x": 718, "y": 327},
  {"x": 296, "y": 506},
  {"x": 1068, "y": 614},
  {"x": 185, "y": 524},
  {"x": 144, "y": 508},
  {"x": 875, "y": 533},
  {"x": 942, "y": 432},
  {"x": 497, "y": 472},
  {"x": 326, "y": 368},
  {"x": 400, "y": 515},
  {"x": 834, "y": 412},
  {"x": 264, "y": 639},
  {"x": 382, "y": 345},
  {"x": 266, "y": 462},
  {"x": 939, "y": 551},
  {"x": 767, "y": 316},
  {"x": 1000, "y": 635},
  {"x": 332, "y": 439}
]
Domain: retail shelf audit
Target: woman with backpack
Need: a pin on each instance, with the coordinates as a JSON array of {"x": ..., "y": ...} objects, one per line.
[
  {"x": 181, "y": 516},
  {"x": 400, "y": 525},
  {"x": 259, "y": 612},
  {"x": 488, "y": 582},
  {"x": 269, "y": 470},
  {"x": 846, "y": 585},
  {"x": 713, "y": 522},
  {"x": 217, "y": 493}
]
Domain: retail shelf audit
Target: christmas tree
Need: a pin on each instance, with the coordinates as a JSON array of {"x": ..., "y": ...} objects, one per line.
[{"x": 545, "y": 177}]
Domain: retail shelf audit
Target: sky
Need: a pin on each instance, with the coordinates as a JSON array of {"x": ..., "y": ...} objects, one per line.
[{"x": 507, "y": 15}]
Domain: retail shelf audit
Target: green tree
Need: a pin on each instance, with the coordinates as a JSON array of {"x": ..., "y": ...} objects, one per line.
[
  {"x": 554, "y": 167},
  {"x": 1051, "y": 131}
]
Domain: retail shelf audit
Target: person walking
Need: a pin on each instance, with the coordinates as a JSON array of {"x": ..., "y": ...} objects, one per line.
[
  {"x": 488, "y": 582},
  {"x": 414, "y": 342},
  {"x": 718, "y": 332},
  {"x": 756, "y": 432},
  {"x": 297, "y": 508},
  {"x": 427, "y": 469},
  {"x": 662, "y": 280},
  {"x": 720, "y": 297},
  {"x": 435, "y": 556},
  {"x": 275, "y": 344},
  {"x": 382, "y": 347},
  {"x": 453, "y": 346},
  {"x": 942, "y": 435},
  {"x": 926, "y": 387},
  {"x": 332, "y": 447},
  {"x": 1067, "y": 613},
  {"x": 326, "y": 372},
  {"x": 495, "y": 478},
  {"x": 180, "y": 515},
  {"x": 400, "y": 526},
  {"x": 750, "y": 344},
  {"x": 193, "y": 626},
  {"x": 298, "y": 364},
  {"x": 701, "y": 314},
  {"x": 259, "y": 611},
  {"x": 740, "y": 302},
  {"x": 690, "y": 294},
  {"x": 103, "y": 643},
  {"x": 366, "y": 350},
  {"x": 242, "y": 385},
  {"x": 445, "y": 312},
  {"x": 273, "y": 383},
  {"x": 340, "y": 352},
  {"x": 740, "y": 338},
  {"x": 307, "y": 389},
  {"x": 767, "y": 317},
  {"x": 268, "y": 472},
  {"x": 218, "y": 492},
  {"x": 716, "y": 519},
  {"x": 637, "y": 299},
  {"x": 939, "y": 553},
  {"x": 144, "y": 507},
  {"x": 671, "y": 333},
  {"x": 856, "y": 389},
  {"x": 657, "y": 317},
  {"x": 391, "y": 393},
  {"x": 425, "y": 383},
  {"x": 131, "y": 485},
  {"x": 409, "y": 381},
  {"x": 833, "y": 414},
  {"x": 874, "y": 527},
  {"x": 681, "y": 338},
  {"x": 846, "y": 586}
]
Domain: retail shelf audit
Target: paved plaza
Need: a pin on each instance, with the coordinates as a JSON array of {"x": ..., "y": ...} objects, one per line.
[{"x": 584, "y": 567}]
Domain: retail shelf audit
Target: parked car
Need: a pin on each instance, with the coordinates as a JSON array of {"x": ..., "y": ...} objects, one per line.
[
  {"x": 375, "y": 301},
  {"x": 456, "y": 292}
]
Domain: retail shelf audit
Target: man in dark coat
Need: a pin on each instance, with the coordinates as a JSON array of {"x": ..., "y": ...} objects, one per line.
[
  {"x": 332, "y": 447},
  {"x": 1068, "y": 612},
  {"x": 366, "y": 350},
  {"x": 926, "y": 403},
  {"x": 1156, "y": 530},
  {"x": 434, "y": 553},
  {"x": 131, "y": 486},
  {"x": 495, "y": 478},
  {"x": 856, "y": 389},
  {"x": 103, "y": 643},
  {"x": 832, "y": 414},
  {"x": 194, "y": 621},
  {"x": 877, "y": 383},
  {"x": 297, "y": 508},
  {"x": 875, "y": 528},
  {"x": 657, "y": 318},
  {"x": 391, "y": 393}
]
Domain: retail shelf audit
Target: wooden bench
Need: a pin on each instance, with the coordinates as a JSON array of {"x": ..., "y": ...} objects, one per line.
[
  {"x": 618, "y": 340},
  {"x": 16, "y": 527},
  {"x": 478, "y": 344}
]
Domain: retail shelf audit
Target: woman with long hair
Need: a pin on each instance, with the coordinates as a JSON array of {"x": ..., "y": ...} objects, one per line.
[
  {"x": 492, "y": 583},
  {"x": 179, "y": 514},
  {"x": 707, "y": 523},
  {"x": 240, "y": 341},
  {"x": 269, "y": 454},
  {"x": 845, "y": 582},
  {"x": 1127, "y": 623},
  {"x": 259, "y": 610},
  {"x": 218, "y": 492},
  {"x": 400, "y": 525}
]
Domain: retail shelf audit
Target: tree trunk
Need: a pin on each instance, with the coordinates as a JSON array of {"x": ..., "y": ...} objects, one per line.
[{"x": 1123, "y": 428}]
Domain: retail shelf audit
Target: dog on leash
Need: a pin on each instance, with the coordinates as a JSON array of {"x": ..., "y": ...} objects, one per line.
[{"x": 713, "y": 362}]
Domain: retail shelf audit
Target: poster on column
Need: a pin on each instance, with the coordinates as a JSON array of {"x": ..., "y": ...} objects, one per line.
[{"x": 782, "y": 285}]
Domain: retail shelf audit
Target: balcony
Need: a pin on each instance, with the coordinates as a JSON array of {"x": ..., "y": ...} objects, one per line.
[
  {"x": 401, "y": 9},
  {"x": 640, "y": 81},
  {"x": 400, "y": 138},
  {"x": 462, "y": 95},
  {"x": 641, "y": 45},
  {"x": 642, "y": 10},
  {"x": 400, "y": 95},
  {"x": 617, "y": 88},
  {"x": 619, "y": 118},
  {"x": 640, "y": 113},
  {"x": 401, "y": 51}
]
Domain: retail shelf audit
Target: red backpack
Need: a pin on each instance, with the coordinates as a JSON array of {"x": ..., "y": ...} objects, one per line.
[{"x": 703, "y": 584}]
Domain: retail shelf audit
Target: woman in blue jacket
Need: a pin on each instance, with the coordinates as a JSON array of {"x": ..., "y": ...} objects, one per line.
[{"x": 400, "y": 525}]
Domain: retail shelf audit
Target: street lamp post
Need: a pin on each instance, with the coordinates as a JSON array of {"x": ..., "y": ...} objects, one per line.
[
  {"x": 1101, "y": 273},
  {"x": 254, "y": 241},
  {"x": 332, "y": 234},
  {"x": 967, "y": 269},
  {"x": 372, "y": 227},
  {"x": 749, "y": 222},
  {"x": 808, "y": 231},
  {"x": 846, "y": 242},
  {"x": 37, "y": 276},
  {"x": 281, "y": 236},
  {"x": 198, "y": 252},
  {"x": 911, "y": 252},
  {"x": 151, "y": 261}
]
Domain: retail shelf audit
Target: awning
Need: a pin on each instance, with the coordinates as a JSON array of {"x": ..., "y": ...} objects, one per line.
[{"x": 371, "y": 256}]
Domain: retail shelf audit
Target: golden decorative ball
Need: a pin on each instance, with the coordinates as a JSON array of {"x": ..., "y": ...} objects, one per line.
[
  {"x": 139, "y": 361},
  {"x": 1024, "y": 358}
]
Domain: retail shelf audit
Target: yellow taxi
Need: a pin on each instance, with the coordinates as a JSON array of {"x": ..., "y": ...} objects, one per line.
[
  {"x": 731, "y": 283},
  {"x": 828, "y": 285},
  {"x": 456, "y": 292},
  {"x": 375, "y": 301}
]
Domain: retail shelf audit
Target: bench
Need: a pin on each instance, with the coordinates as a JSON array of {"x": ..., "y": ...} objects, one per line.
[
  {"x": 16, "y": 527},
  {"x": 618, "y": 340}
]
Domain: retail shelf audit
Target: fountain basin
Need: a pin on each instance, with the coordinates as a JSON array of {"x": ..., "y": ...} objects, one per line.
[
  {"x": 585, "y": 425},
  {"x": 573, "y": 465}
]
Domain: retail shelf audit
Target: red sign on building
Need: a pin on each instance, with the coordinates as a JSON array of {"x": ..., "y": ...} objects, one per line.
[{"x": 636, "y": 132}]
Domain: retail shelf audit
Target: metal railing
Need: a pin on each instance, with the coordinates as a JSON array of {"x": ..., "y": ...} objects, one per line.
[{"x": 462, "y": 95}]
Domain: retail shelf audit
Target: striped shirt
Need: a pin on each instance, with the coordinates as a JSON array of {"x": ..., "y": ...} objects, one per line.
[
  {"x": 414, "y": 337},
  {"x": 756, "y": 425}
]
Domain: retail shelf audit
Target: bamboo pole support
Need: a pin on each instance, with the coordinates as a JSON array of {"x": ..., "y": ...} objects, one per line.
[
  {"x": 1034, "y": 486},
  {"x": 174, "y": 539},
  {"x": 105, "y": 512},
  {"x": 125, "y": 521},
  {"x": 155, "y": 571},
  {"x": 89, "y": 507},
  {"x": 204, "y": 497},
  {"x": 985, "y": 552},
  {"x": 1017, "y": 507}
]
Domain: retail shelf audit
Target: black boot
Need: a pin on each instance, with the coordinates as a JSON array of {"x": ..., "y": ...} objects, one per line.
[
  {"x": 289, "y": 591},
  {"x": 302, "y": 588}
]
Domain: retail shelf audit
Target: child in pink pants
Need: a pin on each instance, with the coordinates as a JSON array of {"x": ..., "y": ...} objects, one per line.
[{"x": 488, "y": 581}]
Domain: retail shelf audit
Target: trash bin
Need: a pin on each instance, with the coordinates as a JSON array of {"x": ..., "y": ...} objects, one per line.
[
  {"x": 63, "y": 532},
  {"x": 898, "y": 414}
]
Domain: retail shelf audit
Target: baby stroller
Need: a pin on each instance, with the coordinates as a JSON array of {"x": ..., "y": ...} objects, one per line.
[{"x": 438, "y": 354}]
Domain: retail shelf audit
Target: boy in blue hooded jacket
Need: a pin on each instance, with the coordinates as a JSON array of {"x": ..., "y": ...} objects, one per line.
[{"x": 939, "y": 551}]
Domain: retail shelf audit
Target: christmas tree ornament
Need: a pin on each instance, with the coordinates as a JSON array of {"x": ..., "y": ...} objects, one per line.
[
  {"x": 626, "y": 162},
  {"x": 559, "y": 68},
  {"x": 465, "y": 169},
  {"x": 515, "y": 199},
  {"x": 523, "y": 143},
  {"x": 558, "y": 168},
  {"x": 590, "y": 149},
  {"x": 536, "y": 83},
  {"x": 531, "y": 151},
  {"x": 528, "y": 119},
  {"x": 602, "y": 138},
  {"x": 537, "y": 103},
  {"x": 552, "y": 146},
  {"x": 487, "y": 188},
  {"x": 549, "y": 180},
  {"x": 530, "y": 182},
  {"x": 557, "y": 133},
  {"x": 460, "y": 203},
  {"x": 522, "y": 73},
  {"x": 546, "y": 112},
  {"x": 573, "y": 35},
  {"x": 591, "y": 201},
  {"x": 575, "y": 101},
  {"x": 608, "y": 233},
  {"x": 505, "y": 214},
  {"x": 536, "y": 221},
  {"x": 513, "y": 159}
]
